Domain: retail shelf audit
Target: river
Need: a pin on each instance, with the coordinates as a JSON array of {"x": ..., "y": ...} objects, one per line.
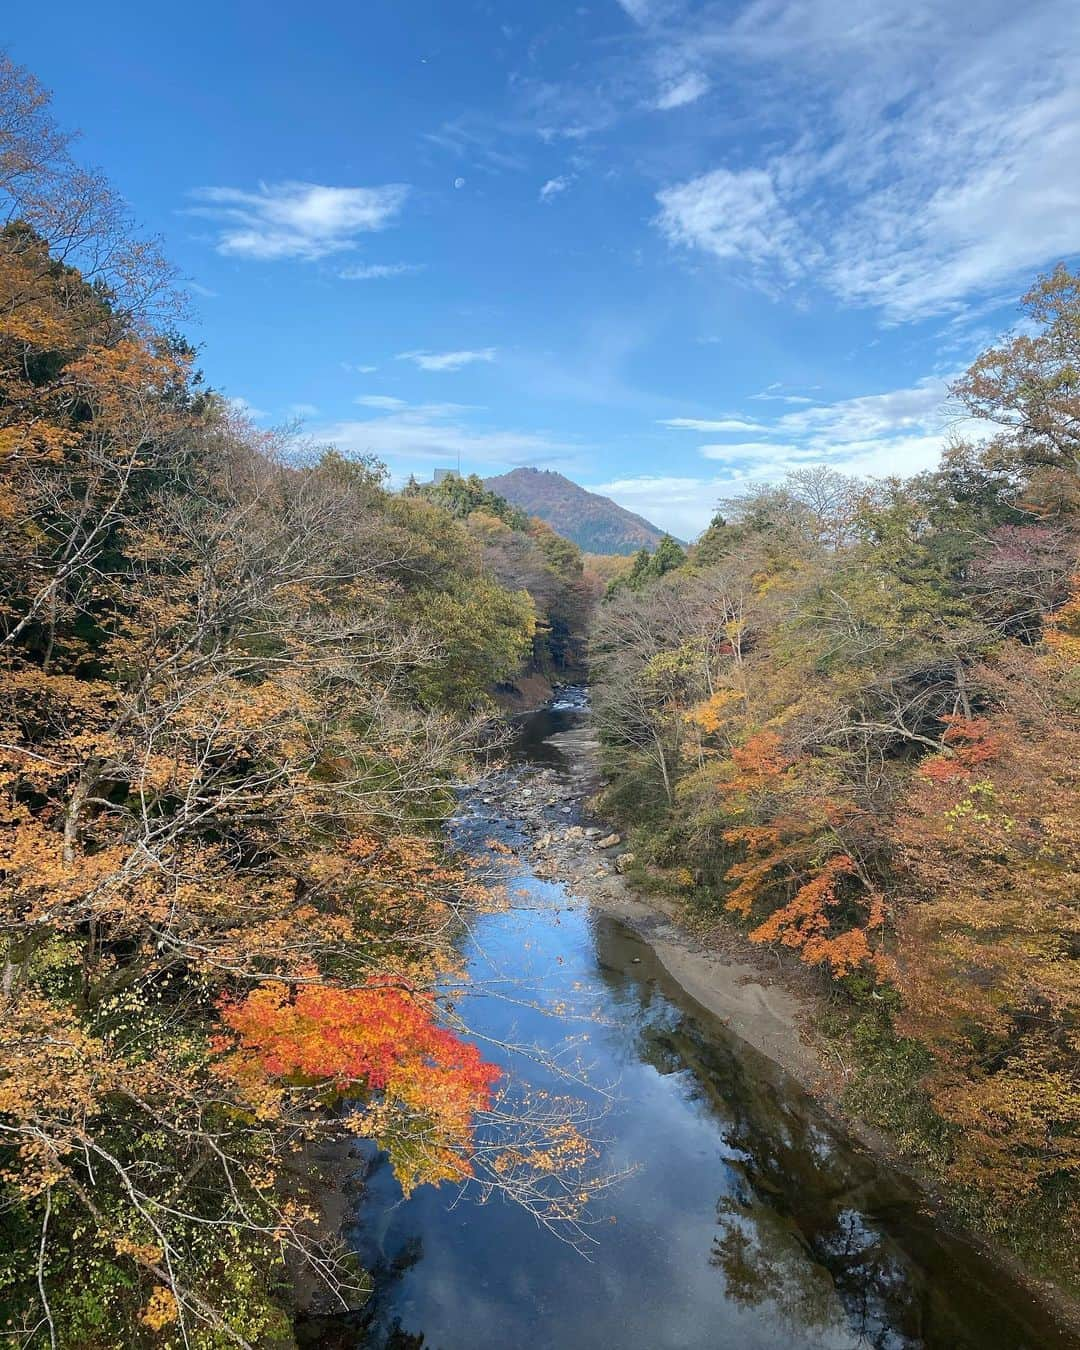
[{"x": 747, "y": 1220}]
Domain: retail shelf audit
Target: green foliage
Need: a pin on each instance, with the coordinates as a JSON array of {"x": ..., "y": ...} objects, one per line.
[
  {"x": 483, "y": 634},
  {"x": 650, "y": 566},
  {"x": 462, "y": 496},
  {"x": 884, "y": 1085}
]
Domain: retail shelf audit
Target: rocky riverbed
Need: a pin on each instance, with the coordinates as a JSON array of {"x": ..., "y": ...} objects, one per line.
[{"x": 549, "y": 803}]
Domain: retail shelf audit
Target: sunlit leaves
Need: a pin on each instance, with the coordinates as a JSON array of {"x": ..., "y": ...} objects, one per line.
[{"x": 381, "y": 1041}]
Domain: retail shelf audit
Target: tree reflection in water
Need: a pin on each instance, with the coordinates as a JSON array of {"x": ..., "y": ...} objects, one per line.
[
  {"x": 812, "y": 1227},
  {"x": 812, "y": 1245}
]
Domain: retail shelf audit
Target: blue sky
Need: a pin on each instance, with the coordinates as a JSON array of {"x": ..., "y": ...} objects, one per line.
[{"x": 668, "y": 248}]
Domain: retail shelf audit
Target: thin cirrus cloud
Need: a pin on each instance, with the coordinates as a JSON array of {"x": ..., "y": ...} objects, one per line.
[
  {"x": 437, "y": 433},
  {"x": 304, "y": 221},
  {"x": 733, "y": 216},
  {"x": 681, "y": 92},
  {"x": 897, "y": 431},
  {"x": 706, "y": 424},
  {"x": 243, "y": 408},
  {"x": 379, "y": 271},
  {"x": 554, "y": 187},
  {"x": 447, "y": 361},
  {"x": 924, "y": 165},
  {"x": 383, "y": 401},
  {"x": 898, "y": 419}
]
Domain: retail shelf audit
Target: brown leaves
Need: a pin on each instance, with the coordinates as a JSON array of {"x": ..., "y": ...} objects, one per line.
[{"x": 988, "y": 934}]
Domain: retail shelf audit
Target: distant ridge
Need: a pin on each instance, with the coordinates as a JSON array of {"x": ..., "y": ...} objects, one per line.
[{"x": 595, "y": 523}]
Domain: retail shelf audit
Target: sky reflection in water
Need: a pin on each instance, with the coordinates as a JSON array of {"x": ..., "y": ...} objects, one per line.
[{"x": 748, "y": 1221}]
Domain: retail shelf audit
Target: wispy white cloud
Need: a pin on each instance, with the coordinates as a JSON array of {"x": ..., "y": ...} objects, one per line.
[
  {"x": 243, "y": 408},
  {"x": 768, "y": 396},
  {"x": 898, "y": 431},
  {"x": 380, "y": 401},
  {"x": 733, "y": 215},
  {"x": 444, "y": 361},
  {"x": 921, "y": 407},
  {"x": 904, "y": 429},
  {"x": 639, "y": 10},
  {"x": 705, "y": 424},
  {"x": 738, "y": 452},
  {"x": 649, "y": 13},
  {"x": 554, "y": 186},
  {"x": 683, "y": 505},
  {"x": 306, "y": 221},
  {"x": 439, "y": 433},
  {"x": 378, "y": 271},
  {"x": 908, "y": 162},
  {"x": 476, "y": 141},
  {"x": 303, "y": 410},
  {"x": 687, "y": 89}
]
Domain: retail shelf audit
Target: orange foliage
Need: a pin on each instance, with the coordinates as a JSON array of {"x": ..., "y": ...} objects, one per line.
[
  {"x": 824, "y": 911},
  {"x": 805, "y": 923},
  {"x": 760, "y": 758},
  {"x": 1062, "y": 632},
  {"x": 380, "y": 1040},
  {"x": 972, "y": 742}
]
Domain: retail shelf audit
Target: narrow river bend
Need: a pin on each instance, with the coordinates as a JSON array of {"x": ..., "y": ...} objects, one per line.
[{"x": 749, "y": 1220}]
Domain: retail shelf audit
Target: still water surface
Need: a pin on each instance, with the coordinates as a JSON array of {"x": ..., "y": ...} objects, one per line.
[{"x": 748, "y": 1222}]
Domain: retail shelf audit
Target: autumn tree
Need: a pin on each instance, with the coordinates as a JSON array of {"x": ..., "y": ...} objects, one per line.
[
  {"x": 990, "y": 840},
  {"x": 237, "y": 690}
]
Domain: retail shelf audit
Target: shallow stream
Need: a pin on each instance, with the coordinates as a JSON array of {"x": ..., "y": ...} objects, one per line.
[{"x": 748, "y": 1220}]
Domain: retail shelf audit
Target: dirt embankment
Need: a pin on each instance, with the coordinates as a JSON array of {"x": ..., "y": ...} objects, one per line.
[{"x": 526, "y": 694}]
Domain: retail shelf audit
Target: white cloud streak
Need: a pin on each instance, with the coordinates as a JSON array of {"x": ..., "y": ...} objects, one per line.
[
  {"x": 732, "y": 215},
  {"x": 447, "y": 361},
  {"x": 304, "y": 221},
  {"x": 436, "y": 433},
  {"x": 243, "y": 408},
  {"x": 704, "y": 424},
  {"x": 679, "y": 93},
  {"x": 554, "y": 186},
  {"x": 384, "y": 401},
  {"x": 379, "y": 271},
  {"x": 899, "y": 431}
]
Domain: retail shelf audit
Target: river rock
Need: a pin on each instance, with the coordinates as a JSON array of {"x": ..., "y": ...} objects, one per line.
[
  {"x": 593, "y": 832},
  {"x": 609, "y": 841},
  {"x": 624, "y": 862}
]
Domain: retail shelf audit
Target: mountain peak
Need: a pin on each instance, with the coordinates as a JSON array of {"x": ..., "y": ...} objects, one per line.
[{"x": 594, "y": 522}]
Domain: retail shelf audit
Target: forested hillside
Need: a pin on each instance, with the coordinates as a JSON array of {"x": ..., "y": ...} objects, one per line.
[
  {"x": 524, "y": 553},
  {"x": 594, "y": 522},
  {"x": 849, "y": 722},
  {"x": 236, "y": 693}
]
